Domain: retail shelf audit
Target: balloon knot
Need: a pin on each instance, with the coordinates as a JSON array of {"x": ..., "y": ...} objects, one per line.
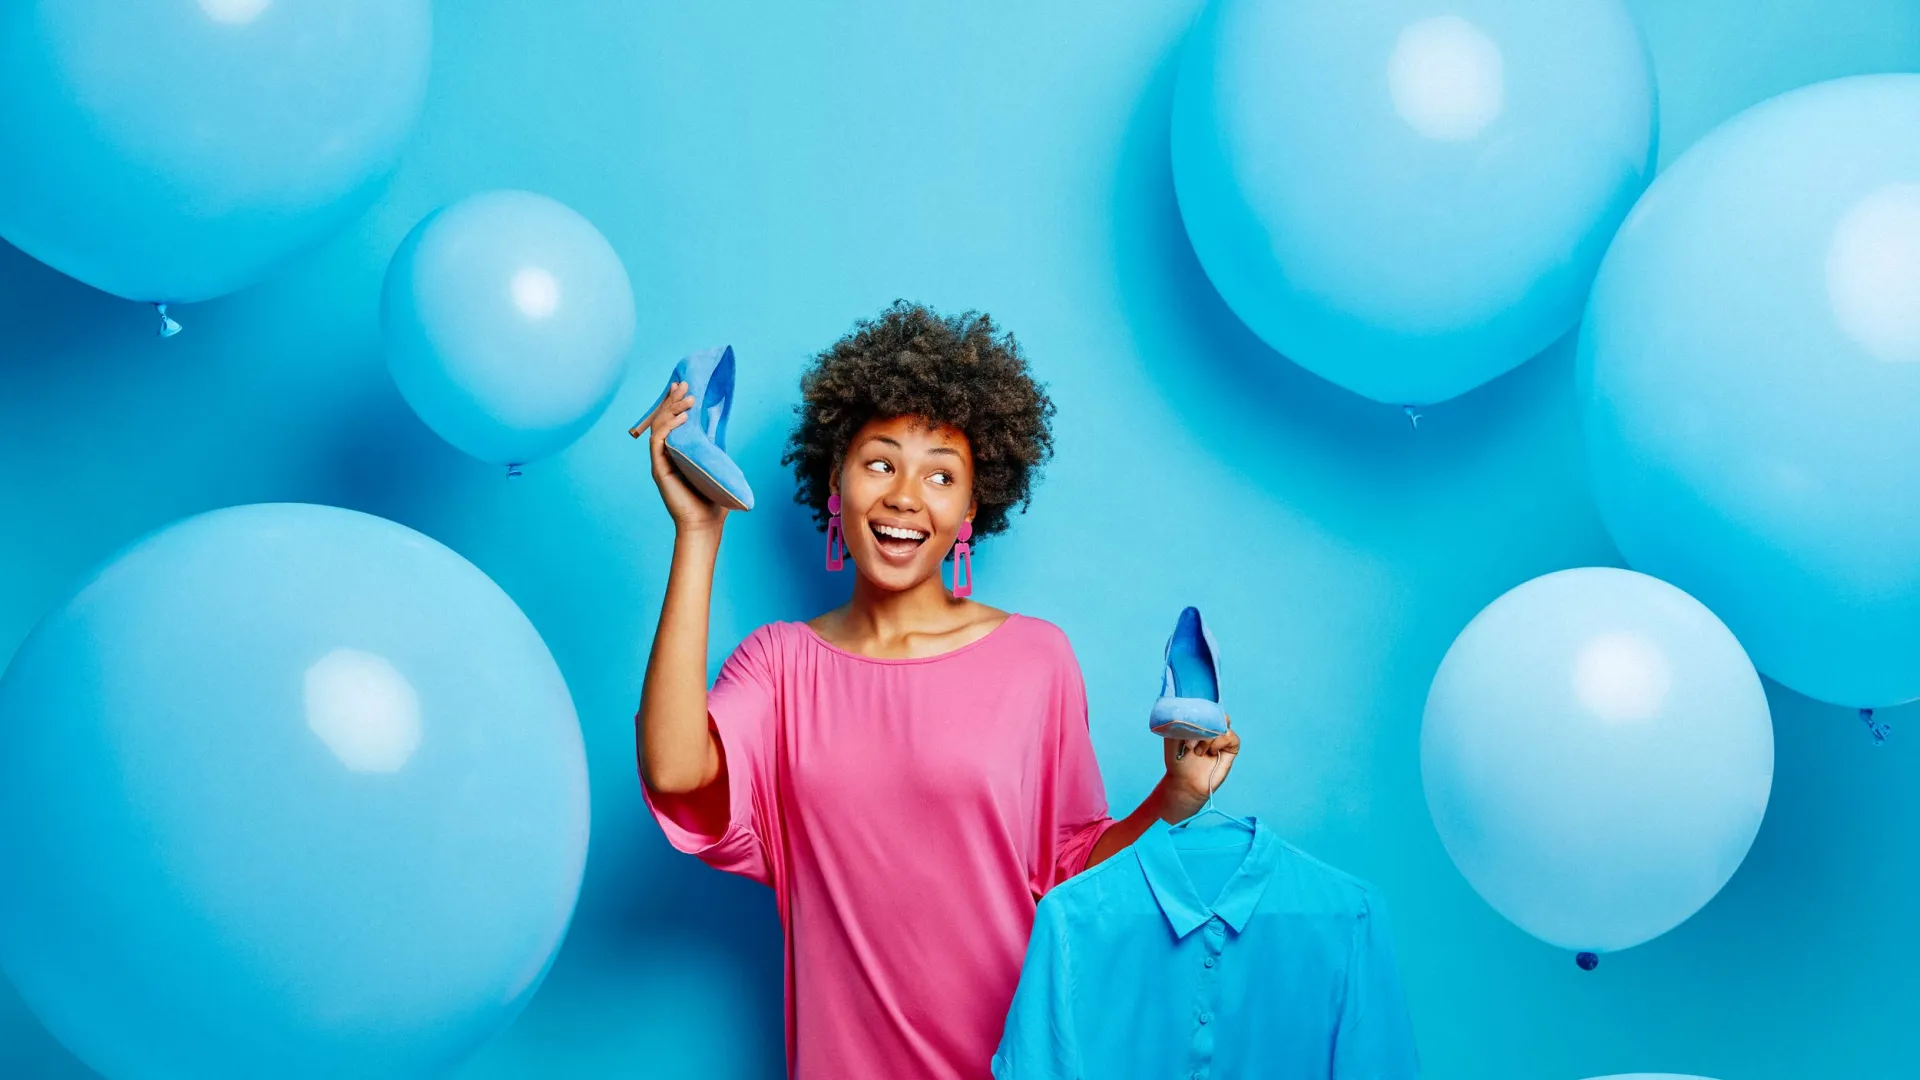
[
  {"x": 168, "y": 327},
  {"x": 513, "y": 470},
  {"x": 1587, "y": 961},
  {"x": 1413, "y": 418},
  {"x": 1877, "y": 728}
]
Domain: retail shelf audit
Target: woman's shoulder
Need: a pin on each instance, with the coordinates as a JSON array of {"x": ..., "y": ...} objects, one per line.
[
  {"x": 769, "y": 642},
  {"x": 1036, "y": 631}
]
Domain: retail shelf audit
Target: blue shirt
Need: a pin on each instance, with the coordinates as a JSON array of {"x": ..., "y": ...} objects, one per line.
[{"x": 1288, "y": 974}]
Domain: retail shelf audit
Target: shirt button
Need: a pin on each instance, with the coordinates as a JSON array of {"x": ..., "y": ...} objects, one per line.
[{"x": 1208, "y": 961}]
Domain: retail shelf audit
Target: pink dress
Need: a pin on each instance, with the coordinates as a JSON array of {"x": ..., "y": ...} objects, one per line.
[{"x": 908, "y": 815}]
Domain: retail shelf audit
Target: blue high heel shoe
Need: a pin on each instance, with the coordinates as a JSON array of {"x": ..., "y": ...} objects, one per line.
[
  {"x": 698, "y": 448},
  {"x": 1189, "y": 705}
]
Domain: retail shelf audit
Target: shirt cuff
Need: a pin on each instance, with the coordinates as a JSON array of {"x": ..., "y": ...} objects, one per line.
[{"x": 677, "y": 818}]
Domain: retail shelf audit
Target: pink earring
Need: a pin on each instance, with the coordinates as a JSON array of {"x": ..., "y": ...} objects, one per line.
[
  {"x": 963, "y": 562},
  {"x": 836, "y": 536}
]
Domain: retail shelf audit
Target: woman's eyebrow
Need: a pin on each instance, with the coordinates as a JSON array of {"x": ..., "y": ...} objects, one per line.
[{"x": 895, "y": 443}]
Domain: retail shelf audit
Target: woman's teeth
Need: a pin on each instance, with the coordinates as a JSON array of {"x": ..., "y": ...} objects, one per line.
[{"x": 895, "y": 541}]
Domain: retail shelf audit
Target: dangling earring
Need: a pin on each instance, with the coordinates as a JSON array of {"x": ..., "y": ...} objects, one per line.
[
  {"x": 963, "y": 562},
  {"x": 836, "y": 536}
]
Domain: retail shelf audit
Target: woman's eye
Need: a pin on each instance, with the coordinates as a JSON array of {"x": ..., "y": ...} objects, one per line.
[
  {"x": 942, "y": 479},
  {"x": 879, "y": 466}
]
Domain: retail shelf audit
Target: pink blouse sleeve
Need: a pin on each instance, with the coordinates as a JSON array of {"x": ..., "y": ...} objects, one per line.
[
  {"x": 1073, "y": 797},
  {"x": 741, "y": 711}
]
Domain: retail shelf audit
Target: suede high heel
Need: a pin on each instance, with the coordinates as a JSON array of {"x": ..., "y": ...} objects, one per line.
[
  {"x": 698, "y": 448},
  {"x": 1189, "y": 704}
]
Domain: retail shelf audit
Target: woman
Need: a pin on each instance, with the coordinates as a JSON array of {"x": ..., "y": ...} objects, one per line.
[{"x": 911, "y": 771}]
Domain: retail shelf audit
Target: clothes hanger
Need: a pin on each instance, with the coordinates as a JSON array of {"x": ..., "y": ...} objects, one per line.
[{"x": 1208, "y": 807}]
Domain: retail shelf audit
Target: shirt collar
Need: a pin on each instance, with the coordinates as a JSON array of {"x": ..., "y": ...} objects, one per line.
[{"x": 1174, "y": 889}]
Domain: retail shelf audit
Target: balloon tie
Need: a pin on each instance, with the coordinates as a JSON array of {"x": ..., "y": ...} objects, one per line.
[
  {"x": 168, "y": 327},
  {"x": 1587, "y": 961},
  {"x": 513, "y": 470},
  {"x": 1413, "y": 418},
  {"x": 1878, "y": 728}
]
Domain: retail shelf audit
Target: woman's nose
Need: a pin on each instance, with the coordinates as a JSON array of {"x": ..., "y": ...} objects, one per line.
[{"x": 900, "y": 496}]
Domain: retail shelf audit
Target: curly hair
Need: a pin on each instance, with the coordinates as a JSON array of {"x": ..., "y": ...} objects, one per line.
[{"x": 958, "y": 370}]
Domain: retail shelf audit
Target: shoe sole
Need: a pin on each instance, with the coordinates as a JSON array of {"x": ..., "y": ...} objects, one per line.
[
  {"x": 703, "y": 483},
  {"x": 1180, "y": 730}
]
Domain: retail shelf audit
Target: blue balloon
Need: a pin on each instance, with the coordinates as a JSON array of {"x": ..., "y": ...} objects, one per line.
[
  {"x": 1750, "y": 371},
  {"x": 285, "y": 790},
  {"x": 1409, "y": 200},
  {"x": 178, "y": 151},
  {"x": 507, "y": 319},
  {"x": 1652, "y": 1077},
  {"x": 1597, "y": 755}
]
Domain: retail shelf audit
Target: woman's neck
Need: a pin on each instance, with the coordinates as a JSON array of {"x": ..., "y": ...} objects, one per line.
[
  {"x": 885, "y": 622},
  {"x": 887, "y": 614}
]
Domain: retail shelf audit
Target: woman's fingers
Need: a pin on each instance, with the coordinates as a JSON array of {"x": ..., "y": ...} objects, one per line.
[
  {"x": 1226, "y": 743},
  {"x": 675, "y": 392}
]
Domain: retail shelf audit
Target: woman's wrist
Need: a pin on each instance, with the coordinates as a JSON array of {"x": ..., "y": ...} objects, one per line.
[
  {"x": 697, "y": 539},
  {"x": 1175, "y": 804}
]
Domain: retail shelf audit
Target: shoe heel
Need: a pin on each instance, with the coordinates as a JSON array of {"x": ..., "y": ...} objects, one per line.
[{"x": 639, "y": 427}]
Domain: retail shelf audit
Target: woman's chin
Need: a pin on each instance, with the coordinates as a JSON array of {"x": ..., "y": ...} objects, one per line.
[{"x": 893, "y": 573}]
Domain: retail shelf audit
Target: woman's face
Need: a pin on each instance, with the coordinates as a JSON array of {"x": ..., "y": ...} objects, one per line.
[{"x": 904, "y": 490}]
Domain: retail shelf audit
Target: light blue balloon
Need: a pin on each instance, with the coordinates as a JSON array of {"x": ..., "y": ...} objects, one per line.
[
  {"x": 1597, "y": 755},
  {"x": 175, "y": 150},
  {"x": 1750, "y": 368},
  {"x": 1407, "y": 199},
  {"x": 1653, "y": 1076},
  {"x": 290, "y": 791},
  {"x": 507, "y": 319}
]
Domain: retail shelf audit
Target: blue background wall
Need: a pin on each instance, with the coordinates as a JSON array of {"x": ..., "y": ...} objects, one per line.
[{"x": 771, "y": 171}]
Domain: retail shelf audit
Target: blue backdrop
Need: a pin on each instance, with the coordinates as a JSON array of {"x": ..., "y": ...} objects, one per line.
[{"x": 768, "y": 172}]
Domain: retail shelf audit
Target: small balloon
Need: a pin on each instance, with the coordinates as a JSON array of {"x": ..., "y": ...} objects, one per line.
[
  {"x": 507, "y": 319},
  {"x": 289, "y": 791},
  {"x": 1597, "y": 755}
]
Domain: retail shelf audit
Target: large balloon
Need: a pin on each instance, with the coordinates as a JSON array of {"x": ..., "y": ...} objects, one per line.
[
  {"x": 177, "y": 151},
  {"x": 1408, "y": 199},
  {"x": 1652, "y": 1076},
  {"x": 1750, "y": 367},
  {"x": 507, "y": 319},
  {"x": 290, "y": 791},
  {"x": 1597, "y": 755}
]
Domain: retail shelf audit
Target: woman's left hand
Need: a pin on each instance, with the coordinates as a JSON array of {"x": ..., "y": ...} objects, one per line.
[{"x": 1187, "y": 773}]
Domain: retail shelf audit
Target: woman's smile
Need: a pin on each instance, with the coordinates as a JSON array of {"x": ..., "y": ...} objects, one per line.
[{"x": 897, "y": 542}]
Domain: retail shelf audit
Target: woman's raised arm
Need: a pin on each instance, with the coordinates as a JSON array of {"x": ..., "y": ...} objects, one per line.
[{"x": 677, "y": 751}]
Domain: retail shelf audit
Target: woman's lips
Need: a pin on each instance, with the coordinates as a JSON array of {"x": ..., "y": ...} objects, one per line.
[{"x": 899, "y": 552}]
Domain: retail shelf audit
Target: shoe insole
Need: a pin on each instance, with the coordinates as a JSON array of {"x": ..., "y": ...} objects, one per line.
[{"x": 1192, "y": 671}]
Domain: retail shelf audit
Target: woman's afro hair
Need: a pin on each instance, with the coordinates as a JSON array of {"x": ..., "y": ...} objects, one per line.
[{"x": 958, "y": 370}]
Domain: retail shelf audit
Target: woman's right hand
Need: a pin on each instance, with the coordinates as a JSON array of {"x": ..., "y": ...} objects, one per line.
[{"x": 690, "y": 510}]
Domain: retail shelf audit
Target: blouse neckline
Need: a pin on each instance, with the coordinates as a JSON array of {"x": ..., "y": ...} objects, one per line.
[{"x": 974, "y": 644}]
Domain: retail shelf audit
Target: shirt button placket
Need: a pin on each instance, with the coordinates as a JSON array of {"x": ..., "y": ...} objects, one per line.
[{"x": 1201, "y": 1055}]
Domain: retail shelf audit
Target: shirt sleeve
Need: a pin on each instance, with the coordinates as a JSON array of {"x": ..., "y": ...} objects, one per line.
[
  {"x": 1038, "y": 1042},
  {"x": 1073, "y": 797},
  {"x": 1375, "y": 1038},
  {"x": 742, "y": 710}
]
